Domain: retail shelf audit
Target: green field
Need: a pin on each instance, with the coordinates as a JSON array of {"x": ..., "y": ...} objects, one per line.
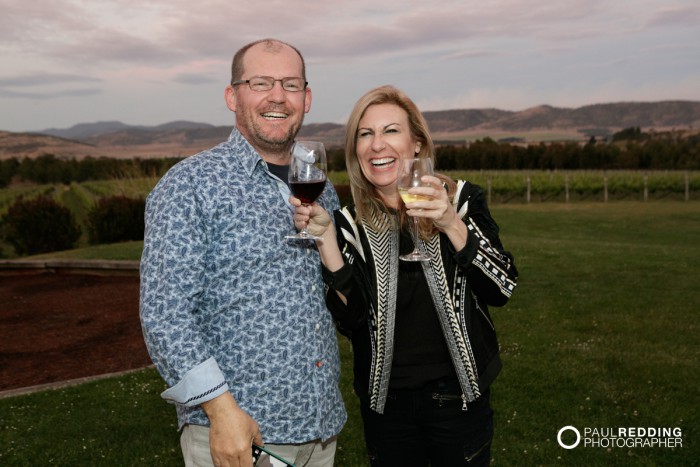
[
  {"x": 501, "y": 187},
  {"x": 507, "y": 186},
  {"x": 601, "y": 333}
]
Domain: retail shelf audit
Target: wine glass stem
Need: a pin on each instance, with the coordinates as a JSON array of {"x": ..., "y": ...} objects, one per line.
[
  {"x": 415, "y": 234},
  {"x": 303, "y": 230}
]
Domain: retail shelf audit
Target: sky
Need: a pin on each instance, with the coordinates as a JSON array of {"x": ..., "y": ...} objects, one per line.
[{"x": 149, "y": 62}]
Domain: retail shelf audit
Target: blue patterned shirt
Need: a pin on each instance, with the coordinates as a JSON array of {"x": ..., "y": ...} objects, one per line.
[{"x": 227, "y": 304}]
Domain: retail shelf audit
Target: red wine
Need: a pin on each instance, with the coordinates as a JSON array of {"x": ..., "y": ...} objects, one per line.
[{"x": 307, "y": 192}]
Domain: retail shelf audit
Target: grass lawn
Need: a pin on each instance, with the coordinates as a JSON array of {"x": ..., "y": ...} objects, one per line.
[
  {"x": 601, "y": 334},
  {"x": 602, "y": 331}
]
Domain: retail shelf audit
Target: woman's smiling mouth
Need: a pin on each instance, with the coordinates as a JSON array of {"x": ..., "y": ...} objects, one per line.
[{"x": 387, "y": 161}]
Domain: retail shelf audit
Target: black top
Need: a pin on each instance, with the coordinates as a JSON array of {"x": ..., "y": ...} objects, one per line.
[
  {"x": 281, "y": 171},
  {"x": 420, "y": 351}
]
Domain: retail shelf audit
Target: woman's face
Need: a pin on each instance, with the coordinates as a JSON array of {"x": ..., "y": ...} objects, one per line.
[{"x": 383, "y": 137}]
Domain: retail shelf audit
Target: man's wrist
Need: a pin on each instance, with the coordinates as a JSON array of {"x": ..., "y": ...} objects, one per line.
[{"x": 219, "y": 406}]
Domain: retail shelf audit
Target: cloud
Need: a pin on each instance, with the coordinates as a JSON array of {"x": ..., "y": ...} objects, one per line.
[
  {"x": 677, "y": 16},
  {"x": 508, "y": 53},
  {"x": 164, "y": 32},
  {"x": 89, "y": 33},
  {"x": 44, "y": 79},
  {"x": 462, "y": 54},
  {"x": 47, "y": 81},
  {"x": 192, "y": 78},
  {"x": 49, "y": 95},
  {"x": 27, "y": 24}
]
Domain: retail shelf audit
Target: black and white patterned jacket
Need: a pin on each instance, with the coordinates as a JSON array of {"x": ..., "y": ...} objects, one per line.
[{"x": 462, "y": 285}]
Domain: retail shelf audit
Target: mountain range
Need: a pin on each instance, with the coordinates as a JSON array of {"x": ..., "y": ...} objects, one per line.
[{"x": 541, "y": 123}]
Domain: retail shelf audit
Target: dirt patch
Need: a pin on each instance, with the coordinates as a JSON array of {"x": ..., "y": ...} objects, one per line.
[{"x": 56, "y": 327}]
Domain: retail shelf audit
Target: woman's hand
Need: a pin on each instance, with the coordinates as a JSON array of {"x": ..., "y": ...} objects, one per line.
[
  {"x": 314, "y": 217},
  {"x": 318, "y": 223},
  {"x": 438, "y": 208}
]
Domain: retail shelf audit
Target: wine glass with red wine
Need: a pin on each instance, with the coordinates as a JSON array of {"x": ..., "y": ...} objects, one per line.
[{"x": 307, "y": 177}]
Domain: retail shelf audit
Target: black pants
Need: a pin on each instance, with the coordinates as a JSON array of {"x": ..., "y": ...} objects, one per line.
[{"x": 427, "y": 427}]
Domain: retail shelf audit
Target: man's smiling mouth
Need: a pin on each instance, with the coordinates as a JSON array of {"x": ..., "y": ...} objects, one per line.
[{"x": 274, "y": 115}]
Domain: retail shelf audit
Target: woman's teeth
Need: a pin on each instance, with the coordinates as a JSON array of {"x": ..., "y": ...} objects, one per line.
[{"x": 378, "y": 162}]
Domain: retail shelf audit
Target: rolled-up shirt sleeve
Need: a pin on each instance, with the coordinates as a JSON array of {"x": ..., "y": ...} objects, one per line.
[{"x": 201, "y": 384}]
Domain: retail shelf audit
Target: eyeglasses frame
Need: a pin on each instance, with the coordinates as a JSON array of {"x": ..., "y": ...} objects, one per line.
[{"x": 281, "y": 80}]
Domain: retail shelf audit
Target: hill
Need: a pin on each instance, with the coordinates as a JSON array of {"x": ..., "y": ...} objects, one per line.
[
  {"x": 182, "y": 138},
  {"x": 90, "y": 130},
  {"x": 546, "y": 122},
  {"x": 35, "y": 144},
  {"x": 658, "y": 115}
]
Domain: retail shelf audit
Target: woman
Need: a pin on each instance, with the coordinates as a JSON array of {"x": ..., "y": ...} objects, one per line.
[{"x": 424, "y": 344}]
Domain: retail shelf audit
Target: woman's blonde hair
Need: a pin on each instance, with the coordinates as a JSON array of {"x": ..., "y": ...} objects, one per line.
[{"x": 368, "y": 203}]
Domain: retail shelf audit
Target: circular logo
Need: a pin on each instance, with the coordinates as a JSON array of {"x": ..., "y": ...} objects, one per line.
[{"x": 569, "y": 446}]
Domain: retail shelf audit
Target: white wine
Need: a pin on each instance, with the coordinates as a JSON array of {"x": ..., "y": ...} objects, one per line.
[
  {"x": 410, "y": 197},
  {"x": 409, "y": 176}
]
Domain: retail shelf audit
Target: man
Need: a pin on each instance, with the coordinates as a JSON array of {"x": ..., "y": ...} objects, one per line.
[{"x": 233, "y": 314}]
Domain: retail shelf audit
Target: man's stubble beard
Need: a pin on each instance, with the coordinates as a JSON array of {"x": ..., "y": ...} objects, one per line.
[
  {"x": 275, "y": 143},
  {"x": 268, "y": 144}
]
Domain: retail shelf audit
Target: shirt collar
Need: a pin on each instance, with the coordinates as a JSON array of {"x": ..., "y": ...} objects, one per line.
[
  {"x": 246, "y": 155},
  {"x": 248, "y": 158}
]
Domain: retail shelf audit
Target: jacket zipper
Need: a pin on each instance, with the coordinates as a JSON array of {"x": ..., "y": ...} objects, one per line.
[
  {"x": 446, "y": 397},
  {"x": 476, "y": 302},
  {"x": 468, "y": 459}
]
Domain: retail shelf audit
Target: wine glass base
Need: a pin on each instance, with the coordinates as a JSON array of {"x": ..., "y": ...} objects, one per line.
[
  {"x": 302, "y": 236},
  {"x": 414, "y": 256}
]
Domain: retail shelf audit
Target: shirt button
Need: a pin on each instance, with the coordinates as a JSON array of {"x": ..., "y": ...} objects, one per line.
[
  {"x": 319, "y": 364},
  {"x": 313, "y": 288},
  {"x": 318, "y": 326}
]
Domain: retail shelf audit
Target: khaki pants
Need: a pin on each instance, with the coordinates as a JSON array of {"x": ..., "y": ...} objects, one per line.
[{"x": 195, "y": 450}]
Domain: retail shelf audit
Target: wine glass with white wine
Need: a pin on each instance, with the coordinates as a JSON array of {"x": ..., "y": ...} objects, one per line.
[{"x": 410, "y": 172}]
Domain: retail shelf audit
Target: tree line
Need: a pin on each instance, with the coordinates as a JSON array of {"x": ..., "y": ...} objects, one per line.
[
  {"x": 629, "y": 149},
  {"x": 42, "y": 224},
  {"x": 50, "y": 169}
]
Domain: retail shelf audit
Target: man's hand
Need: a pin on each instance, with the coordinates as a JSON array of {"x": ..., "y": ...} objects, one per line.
[{"x": 232, "y": 432}]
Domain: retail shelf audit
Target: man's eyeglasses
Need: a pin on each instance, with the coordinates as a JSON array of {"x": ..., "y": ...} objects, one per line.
[{"x": 266, "y": 83}]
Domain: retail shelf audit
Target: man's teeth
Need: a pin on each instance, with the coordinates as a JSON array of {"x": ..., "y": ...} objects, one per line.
[
  {"x": 274, "y": 115},
  {"x": 384, "y": 161}
]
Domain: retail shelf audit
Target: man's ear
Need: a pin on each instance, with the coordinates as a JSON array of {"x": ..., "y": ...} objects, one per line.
[
  {"x": 230, "y": 96},
  {"x": 307, "y": 101}
]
